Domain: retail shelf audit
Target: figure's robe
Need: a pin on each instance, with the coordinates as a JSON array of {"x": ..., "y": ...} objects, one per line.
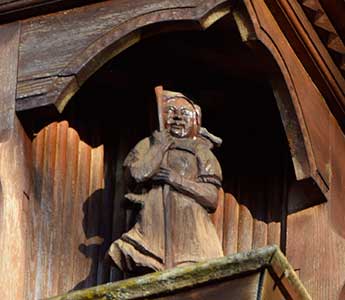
[{"x": 191, "y": 233}]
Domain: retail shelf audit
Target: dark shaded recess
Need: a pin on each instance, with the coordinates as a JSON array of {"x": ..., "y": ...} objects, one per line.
[{"x": 116, "y": 107}]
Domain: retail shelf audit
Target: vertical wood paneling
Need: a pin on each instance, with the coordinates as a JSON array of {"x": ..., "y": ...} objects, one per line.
[
  {"x": 15, "y": 226},
  {"x": 253, "y": 216},
  {"x": 317, "y": 252},
  {"x": 80, "y": 261},
  {"x": 97, "y": 186},
  {"x": 81, "y": 209},
  {"x": 218, "y": 216},
  {"x": 261, "y": 209},
  {"x": 231, "y": 220},
  {"x": 68, "y": 172},
  {"x": 59, "y": 183},
  {"x": 67, "y": 212},
  {"x": 245, "y": 229},
  {"x": 46, "y": 208}
]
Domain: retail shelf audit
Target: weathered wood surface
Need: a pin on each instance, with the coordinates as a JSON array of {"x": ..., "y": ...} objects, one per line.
[
  {"x": 73, "y": 47},
  {"x": 333, "y": 37},
  {"x": 9, "y": 45},
  {"x": 306, "y": 98},
  {"x": 311, "y": 50},
  {"x": 45, "y": 78},
  {"x": 15, "y": 10},
  {"x": 17, "y": 230},
  {"x": 328, "y": 163},
  {"x": 240, "y": 276},
  {"x": 317, "y": 252},
  {"x": 337, "y": 203},
  {"x": 69, "y": 185},
  {"x": 111, "y": 21}
]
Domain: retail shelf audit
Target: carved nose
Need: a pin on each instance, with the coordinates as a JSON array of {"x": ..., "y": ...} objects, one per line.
[{"x": 177, "y": 116}]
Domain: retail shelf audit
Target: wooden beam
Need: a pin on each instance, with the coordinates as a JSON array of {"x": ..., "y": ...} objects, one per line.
[
  {"x": 21, "y": 9},
  {"x": 9, "y": 41}
]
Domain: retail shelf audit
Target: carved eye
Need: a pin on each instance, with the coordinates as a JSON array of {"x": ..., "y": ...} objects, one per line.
[
  {"x": 170, "y": 109},
  {"x": 186, "y": 112}
]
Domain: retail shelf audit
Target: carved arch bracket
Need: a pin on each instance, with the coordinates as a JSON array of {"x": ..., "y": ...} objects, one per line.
[
  {"x": 296, "y": 96},
  {"x": 57, "y": 88}
]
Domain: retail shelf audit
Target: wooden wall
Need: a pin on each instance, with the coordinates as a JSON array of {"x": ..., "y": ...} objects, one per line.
[
  {"x": 17, "y": 233},
  {"x": 69, "y": 180},
  {"x": 61, "y": 186}
]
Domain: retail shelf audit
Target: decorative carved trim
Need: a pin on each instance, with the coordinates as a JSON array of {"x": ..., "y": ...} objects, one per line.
[
  {"x": 296, "y": 81},
  {"x": 312, "y": 53},
  {"x": 328, "y": 34},
  {"x": 59, "y": 90}
]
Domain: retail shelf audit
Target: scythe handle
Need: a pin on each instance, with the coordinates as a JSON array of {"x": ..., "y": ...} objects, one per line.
[{"x": 159, "y": 98}]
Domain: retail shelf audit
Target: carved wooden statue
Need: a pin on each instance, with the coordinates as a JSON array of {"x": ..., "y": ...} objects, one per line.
[{"x": 178, "y": 179}]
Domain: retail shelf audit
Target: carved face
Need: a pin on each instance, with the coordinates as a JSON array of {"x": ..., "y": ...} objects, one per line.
[{"x": 180, "y": 117}]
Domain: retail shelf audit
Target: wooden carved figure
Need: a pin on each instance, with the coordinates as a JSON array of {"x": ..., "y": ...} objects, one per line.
[{"x": 177, "y": 180}]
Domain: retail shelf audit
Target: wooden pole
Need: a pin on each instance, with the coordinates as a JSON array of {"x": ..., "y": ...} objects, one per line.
[
  {"x": 166, "y": 188},
  {"x": 159, "y": 98}
]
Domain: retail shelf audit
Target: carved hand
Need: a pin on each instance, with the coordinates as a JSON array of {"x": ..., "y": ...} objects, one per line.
[
  {"x": 205, "y": 194},
  {"x": 168, "y": 176}
]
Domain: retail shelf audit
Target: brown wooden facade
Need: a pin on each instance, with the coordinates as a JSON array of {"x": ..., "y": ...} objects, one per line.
[{"x": 269, "y": 76}]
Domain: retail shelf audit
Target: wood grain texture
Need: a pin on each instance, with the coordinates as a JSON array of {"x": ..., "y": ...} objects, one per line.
[
  {"x": 9, "y": 44},
  {"x": 310, "y": 45},
  {"x": 316, "y": 251},
  {"x": 218, "y": 216},
  {"x": 304, "y": 94},
  {"x": 69, "y": 181},
  {"x": 337, "y": 203},
  {"x": 17, "y": 231},
  {"x": 11, "y": 10},
  {"x": 242, "y": 288},
  {"x": 231, "y": 220},
  {"x": 75, "y": 43}
]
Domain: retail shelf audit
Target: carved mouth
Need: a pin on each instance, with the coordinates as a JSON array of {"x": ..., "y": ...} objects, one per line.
[{"x": 177, "y": 125}]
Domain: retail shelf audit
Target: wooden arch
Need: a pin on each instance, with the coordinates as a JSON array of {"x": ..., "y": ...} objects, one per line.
[{"x": 113, "y": 26}]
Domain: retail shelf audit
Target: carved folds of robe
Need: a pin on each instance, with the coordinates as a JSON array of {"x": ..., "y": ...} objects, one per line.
[{"x": 178, "y": 221}]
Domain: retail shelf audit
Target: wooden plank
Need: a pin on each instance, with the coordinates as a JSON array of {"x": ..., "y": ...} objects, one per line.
[
  {"x": 65, "y": 281},
  {"x": 46, "y": 230},
  {"x": 73, "y": 47},
  {"x": 69, "y": 218},
  {"x": 241, "y": 288},
  {"x": 317, "y": 252},
  {"x": 62, "y": 36},
  {"x": 16, "y": 228},
  {"x": 270, "y": 289},
  {"x": 245, "y": 220},
  {"x": 307, "y": 99},
  {"x": 59, "y": 183},
  {"x": 83, "y": 261},
  {"x": 9, "y": 43},
  {"x": 218, "y": 216},
  {"x": 13, "y": 10},
  {"x": 337, "y": 203},
  {"x": 231, "y": 219},
  {"x": 261, "y": 206}
]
